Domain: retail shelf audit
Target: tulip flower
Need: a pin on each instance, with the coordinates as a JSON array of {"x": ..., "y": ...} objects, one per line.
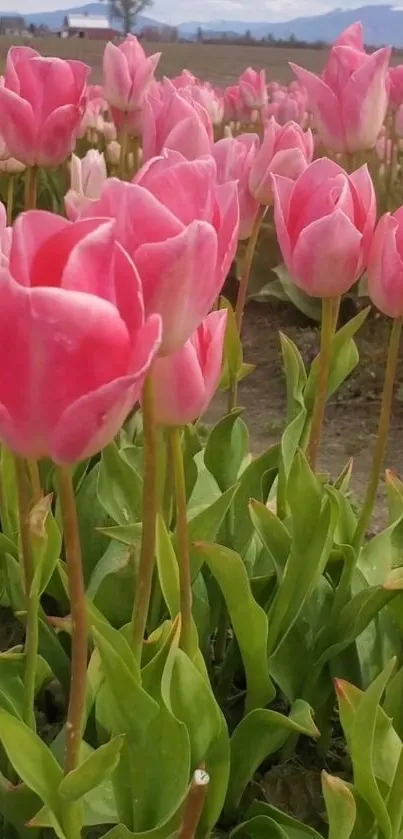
[
  {"x": 234, "y": 157},
  {"x": 350, "y": 100},
  {"x": 396, "y": 87},
  {"x": 181, "y": 229},
  {"x": 325, "y": 222},
  {"x": 5, "y": 237},
  {"x": 128, "y": 75},
  {"x": 284, "y": 151},
  {"x": 253, "y": 88},
  {"x": 173, "y": 120},
  {"x": 75, "y": 343},
  {"x": 185, "y": 382},
  {"x": 87, "y": 177},
  {"x": 42, "y": 103},
  {"x": 210, "y": 100},
  {"x": 385, "y": 266}
]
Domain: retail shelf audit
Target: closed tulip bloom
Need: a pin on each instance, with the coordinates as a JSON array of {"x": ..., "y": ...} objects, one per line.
[
  {"x": 284, "y": 151},
  {"x": 385, "y": 266},
  {"x": 42, "y": 103},
  {"x": 235, "y": 107},
  {"x": 350, "y": 100},
  {"x": 253, "y": 88},
  {"x": 325, "y": 222},
  {"x": 173, "y": 120},
  {"x": 234, "y": 157},
  {"x": 128, "y": 74},
  {"x": 87, "y": 177},
  {"x": 6, "y": 234},
  {"x": 181, "y": 229},
  {"x": 75, "y": 343},
  {"x": 185, "y": 382}
]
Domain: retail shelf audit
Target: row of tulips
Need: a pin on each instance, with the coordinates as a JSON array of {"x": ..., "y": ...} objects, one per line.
[{"x": 115, "y": 302}]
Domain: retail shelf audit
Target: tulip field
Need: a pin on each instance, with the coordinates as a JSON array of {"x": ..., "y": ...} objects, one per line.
[{"x": 201, "y": 605}]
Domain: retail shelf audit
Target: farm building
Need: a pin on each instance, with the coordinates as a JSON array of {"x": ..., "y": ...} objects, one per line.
[
  {"x": 91, "y": 27},
  {"x": 12, "y": 26}
]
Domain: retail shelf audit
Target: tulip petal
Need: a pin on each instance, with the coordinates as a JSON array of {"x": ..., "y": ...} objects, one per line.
[
  {"x": 385, "y": 268},
  {"x": 117, "y": 78},
  {"x": 93, "y": 420},
  {"x": 327, "y": 256},
  {"x": 179, "y": 281},
  {"x": 365, "y": 206},
  {"x": 282, "y": 192},
  {"x": 58, "y": 135},
  {"x": 189, "y": 138},
  {"x": 227, "y": 232},
  {"x": 178, "y": 386},
  {"x": 30, "y": 231},
  {"x": 18, "y": 126},
  {"x": 186, "y": 188},
  {"x": 325, "y": 107},
  {"x": 364, "y": 101}
]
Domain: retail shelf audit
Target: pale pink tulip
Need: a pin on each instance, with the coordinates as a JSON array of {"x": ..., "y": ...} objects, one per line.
[
  {"x": 399, "y": 122},
  {"x": 175, "y": 121},
  {"x": 113, "y": 152},
  {"x": 93, "y": 118},
  {"x": 235, "y": 108},
  {"x": 350, "y": 100},
  {"x": 42, "y": 103},
  {"x": 185, "y": 382},
  {"x": 284, "y": 151},
  {"x": 253, "y": 88},
  {"x": 185, "y": 79},
  {"x": 128, "y": 74},
  {"x": 6, "y": 234},
  {"x": 210, "y": 100},
  {"x": 73, "y": 337},
  {"x": 325, "y": 222},
  {"x": 87, "y": 177},
  {"x": 396, "y": 87},
  {"x": 234, "y": 157},
  {"x": 385, "y": 266},
  {"x": 181, "y": 230}
]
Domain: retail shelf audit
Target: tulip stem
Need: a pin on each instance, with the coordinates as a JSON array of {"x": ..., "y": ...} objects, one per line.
[
  {"x": 31, "y": 599},
  {"x": 194, "y": 804},
  {"x": 330, "y": 307},
  {"x": 10, "y": 200},
  {"x": 150, "y": 509},
  {"x": 124, "y": 142},
  {"x": 33, "y": 470},
  {"x": 185, "y": 578},
  {"x": 79, "y": 619},
  {"x": 31, "y": 187},
  {"x": 243, "y": 290},
  {"x": 382, "y": 436}
]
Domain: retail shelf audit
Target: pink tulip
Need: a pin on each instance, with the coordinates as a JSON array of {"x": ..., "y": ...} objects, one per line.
[
  {"x": 174, "y": 121},
  {"x": 284, "y": 151},
  {"x": 399, "y": 122},
  {"x": 235, "y": 108},
  {"x": 128, "y": 74},
  {"x": 325, "y": 223},
  {"x": 253, "y": 88},
  {"x": 181, "y": 230},
  {"x": 87, "y": 177},
  {"x": 74, "y": 341},
  {"x": 396, "y": 87},
  {"x": 184, "y": 79},
  {"x": 352, "y": 36},
  {"x": 185, "y": 382},
  {"x": 6, "y": 234},
  {"x": 234, "y": 157},
  {"x": 385, "y": 266},
  {"x": 210, "y": 100},
  {"x": 349, "y": 102},
  {"x": 42, "y": 104}
]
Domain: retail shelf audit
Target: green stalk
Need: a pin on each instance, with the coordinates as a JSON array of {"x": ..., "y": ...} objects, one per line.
[
  {"x": 31, "y": 187},
  {"x": 10, "y": 199},
  {"x": 32, "y": 601},
  {"x": 150, "y": 509},
  {"x": 242, "y": 292},
  {"x": 124, "y": 143},
  {"x": 382, "y": 436},
  {"x": 329, "y": 308},
  {"x": 79, "y": 619},
  {"x": 185, "y": 578}
]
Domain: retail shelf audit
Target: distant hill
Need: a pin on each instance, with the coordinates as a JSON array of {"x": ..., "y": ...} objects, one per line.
[{"x": 382, "y": 24}]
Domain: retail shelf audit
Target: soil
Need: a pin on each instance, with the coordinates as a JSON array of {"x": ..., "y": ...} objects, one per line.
[{"x": 352, "y": 414}]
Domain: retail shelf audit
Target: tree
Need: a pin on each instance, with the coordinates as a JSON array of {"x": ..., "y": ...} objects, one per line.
[{"x": 127, "y": 11}]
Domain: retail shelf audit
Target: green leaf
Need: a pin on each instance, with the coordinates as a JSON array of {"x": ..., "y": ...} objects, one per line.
[
  {"x": 248, "y": 619},
  {"x": 93, "y": 771},
  {"x": 258, "y": 735},
  {"x": 112, "y": 582},
  {"x": 119, "y": 487},
  {"x": 218, "y": 767},
  {"x": 204, "y": 526},
  {"x": 340, "y": 806},
  {"x": 296, "y": 411},
  {"x": 226, "y": 449},
  {"x": 344, "y": 359},
  {"x": 91, "y": 518},
  {"x": 306, "y": 304},
  {"x": 233, "y": 352},
  {"x": 259, "y": 827},
  {"x": 168, "y": 572},
  {"x": 193, "y": 703},
  {"x": 31, "y": 759},
  {"x": 293, "y": 829},
  {"x": 12, "y": 675},
  {"x": 254, "y": 482},
  {"x": 18, "y": 804},
  {"x": 47, "y": 543},
  {"x": 273, "y": 534}
]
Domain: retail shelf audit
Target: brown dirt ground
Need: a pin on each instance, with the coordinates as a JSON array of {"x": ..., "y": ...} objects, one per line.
[{"x": 352, "y": 414}]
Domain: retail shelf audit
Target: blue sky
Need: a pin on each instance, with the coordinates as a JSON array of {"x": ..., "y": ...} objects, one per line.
[{"x": 175, "y": 11}]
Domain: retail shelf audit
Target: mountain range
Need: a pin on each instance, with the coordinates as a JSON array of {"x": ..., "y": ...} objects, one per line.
[{"x": 382, "y": 24}]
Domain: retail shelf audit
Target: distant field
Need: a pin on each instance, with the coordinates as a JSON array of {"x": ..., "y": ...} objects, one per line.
[{"x": 219, "y": 63}]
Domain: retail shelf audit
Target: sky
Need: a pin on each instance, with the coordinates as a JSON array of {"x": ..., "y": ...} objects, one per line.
[{"x": 177, "y": 11}]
